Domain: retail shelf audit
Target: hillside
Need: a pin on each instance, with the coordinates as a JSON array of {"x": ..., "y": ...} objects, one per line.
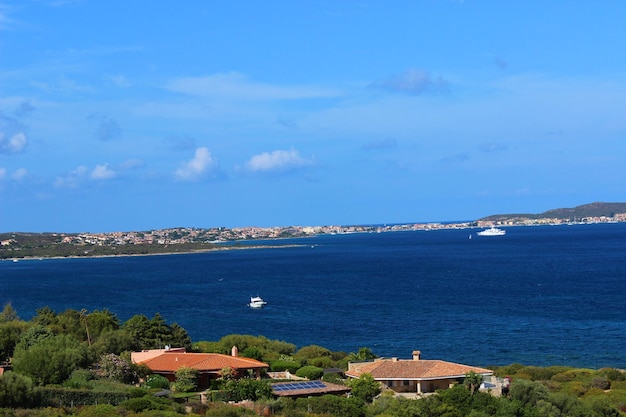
[{"x": 574, "y": 214}]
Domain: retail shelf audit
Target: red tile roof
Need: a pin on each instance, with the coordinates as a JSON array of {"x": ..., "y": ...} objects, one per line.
[
  {"x": 388, "y": 369},
  {"x": 172, "y": 361}
]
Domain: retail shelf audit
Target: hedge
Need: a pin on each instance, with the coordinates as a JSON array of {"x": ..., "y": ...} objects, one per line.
[{"x": 58, "y": 396}]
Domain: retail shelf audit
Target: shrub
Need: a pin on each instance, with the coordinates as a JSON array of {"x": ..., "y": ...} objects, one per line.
[
  {"x": 137, "y": 404},
  {"x": 310, "y": 372},
  {"x": 16, "y": 390},
  {"x": 285, "y": 365},
  {"x": 186, "y": 380},
  {"x": 247, "y": 389},
  {"x": 56, "y": 396},
  {"x": 601, "y": 382},
  {"x": 225, "y": 410},
  {"x": 100, "y": 410},
  {"x": 614, "y": 374},
  {"x": 157, "y": 381},
  {"x": 146, "y": 403}
]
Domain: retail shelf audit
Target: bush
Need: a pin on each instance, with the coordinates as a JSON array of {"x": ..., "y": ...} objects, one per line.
[
  {"x": 332, "y": 405},
  {"x": 225, "y": 410},
  {"x": 137, "y": 404},
  {"x": 310, "y": 372},
  {"x": 147, "y": 403},
  {"x": 614, "y": 374},
  {"x": 157, "y": 381},
  {"x": 601, "y": 382},
  {"x": 56, "y": 396},
  {"x": 365, "y": 388},
  {"x": 100, "y": 410},
  {"x": 247, "y": 389},
  {"x": 186, "y": 379},
  {"x": 285, "y": 365},
  {"x": 16, "y": 391}
]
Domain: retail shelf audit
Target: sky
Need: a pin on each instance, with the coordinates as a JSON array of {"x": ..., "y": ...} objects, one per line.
[{"x": 139, "y": 115}]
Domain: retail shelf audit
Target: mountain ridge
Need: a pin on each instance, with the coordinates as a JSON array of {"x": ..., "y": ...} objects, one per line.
[{"x": 596, "y": 209}]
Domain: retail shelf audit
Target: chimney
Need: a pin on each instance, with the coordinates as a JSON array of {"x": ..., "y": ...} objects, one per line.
[
  {"x": 417, "y": 355},
  {"x": 234, "y": 351}
]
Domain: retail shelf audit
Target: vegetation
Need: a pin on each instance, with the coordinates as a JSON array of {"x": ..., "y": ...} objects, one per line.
[
  {"x": 76, "y": 363},
  {"x": 571, "y": 214}
]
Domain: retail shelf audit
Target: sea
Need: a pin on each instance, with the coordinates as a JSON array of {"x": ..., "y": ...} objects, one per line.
[{"x": 539, "y": 295}]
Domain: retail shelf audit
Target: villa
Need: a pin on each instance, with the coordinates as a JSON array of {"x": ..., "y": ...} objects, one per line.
[
  {"x": 414, "y": 375},
  {"x": 167, "y": 361}
]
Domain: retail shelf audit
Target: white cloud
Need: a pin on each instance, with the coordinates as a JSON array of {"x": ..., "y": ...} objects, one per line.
[
  {"x": 119, "y": 81},
  {"x": 233, "y": 85},
  {"x": 19, "y": 174},
  {"x": 102, "y": 172},
  {"x": 3, "y": 173},
  {"x": 414, "y": 82},
  {"x": 195, "y": 168},
  {"x": 72, "y": 179},
  {"x": 107, "y": 128},
  {"x": 12, "y": 137},
  {"x": 276, "y": 161}
]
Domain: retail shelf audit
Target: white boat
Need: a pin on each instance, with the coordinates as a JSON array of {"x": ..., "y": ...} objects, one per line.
[
  {"x": 492, "y": 231},
  {"x": 257, "y": 302}
]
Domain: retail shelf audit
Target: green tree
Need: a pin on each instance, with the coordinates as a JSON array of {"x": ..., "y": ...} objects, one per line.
[
  {"x": 8, "y": 314},
  {"x": 179, "y": 337},
  {"x": 363, "y": 354},
  {"x": 32, "y": 336},
  {"x": 10, "y": 333},
  {"x": 137, "y": 327},
  {"x": 52, "y": 360},
  {"x": 45, "y": 317},
  {"x": 100, "y": 322},
  {"x": 71, "y": 322},
  {"x": 528, "y": 392},
  {"x": 16, "y": 391},
  {"x": 113, "y": 341},
  {"x": 159, "y": 333},
  {"x": 247, "y": 389},
  {"x": 365, "y": 387},
  {"x": 186, "y": 380},
  {"x": 306, "y": 353},
  {"x": 472, "y": 381}
]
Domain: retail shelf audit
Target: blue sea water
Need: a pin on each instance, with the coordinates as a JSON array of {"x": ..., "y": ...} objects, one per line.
[{"x": 541, "y": 295}]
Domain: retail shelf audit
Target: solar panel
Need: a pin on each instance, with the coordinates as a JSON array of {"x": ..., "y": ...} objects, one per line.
[{"x": 296, "y": 386}]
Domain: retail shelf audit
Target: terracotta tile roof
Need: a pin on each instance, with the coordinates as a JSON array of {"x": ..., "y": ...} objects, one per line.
[
  {"x": 172, "y": 361},
  {"x": 412, "y": 369}
]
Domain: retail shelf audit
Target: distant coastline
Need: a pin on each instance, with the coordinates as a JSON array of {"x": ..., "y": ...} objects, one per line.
[{"x": 18, "y": 245}]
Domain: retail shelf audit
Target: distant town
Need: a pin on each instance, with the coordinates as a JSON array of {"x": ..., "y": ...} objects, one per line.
[
  {"x": 182, "y": 235},
  {"x": 188, "y": 239}
]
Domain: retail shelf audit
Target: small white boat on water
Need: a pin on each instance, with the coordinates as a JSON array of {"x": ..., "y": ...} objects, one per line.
[
  {"x": 492, "y": 231},
  {"x": 257, "y": 302}
]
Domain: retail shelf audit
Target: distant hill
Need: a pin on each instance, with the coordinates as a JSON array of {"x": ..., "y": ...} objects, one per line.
[{"x": 576, "y": 213}]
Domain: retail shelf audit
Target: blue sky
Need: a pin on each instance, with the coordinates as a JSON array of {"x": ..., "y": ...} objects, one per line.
[{"x": 137, "y": 115}]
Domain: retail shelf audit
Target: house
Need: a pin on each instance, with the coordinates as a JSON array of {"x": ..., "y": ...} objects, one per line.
[
  {"x": 166, "y": 362},
  {"x": 414, "y": 375}
]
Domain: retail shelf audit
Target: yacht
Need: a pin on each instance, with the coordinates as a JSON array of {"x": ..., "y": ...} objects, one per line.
[
  {"x": 492, "y": 231},
  {"x": 257, "y": 302}
]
